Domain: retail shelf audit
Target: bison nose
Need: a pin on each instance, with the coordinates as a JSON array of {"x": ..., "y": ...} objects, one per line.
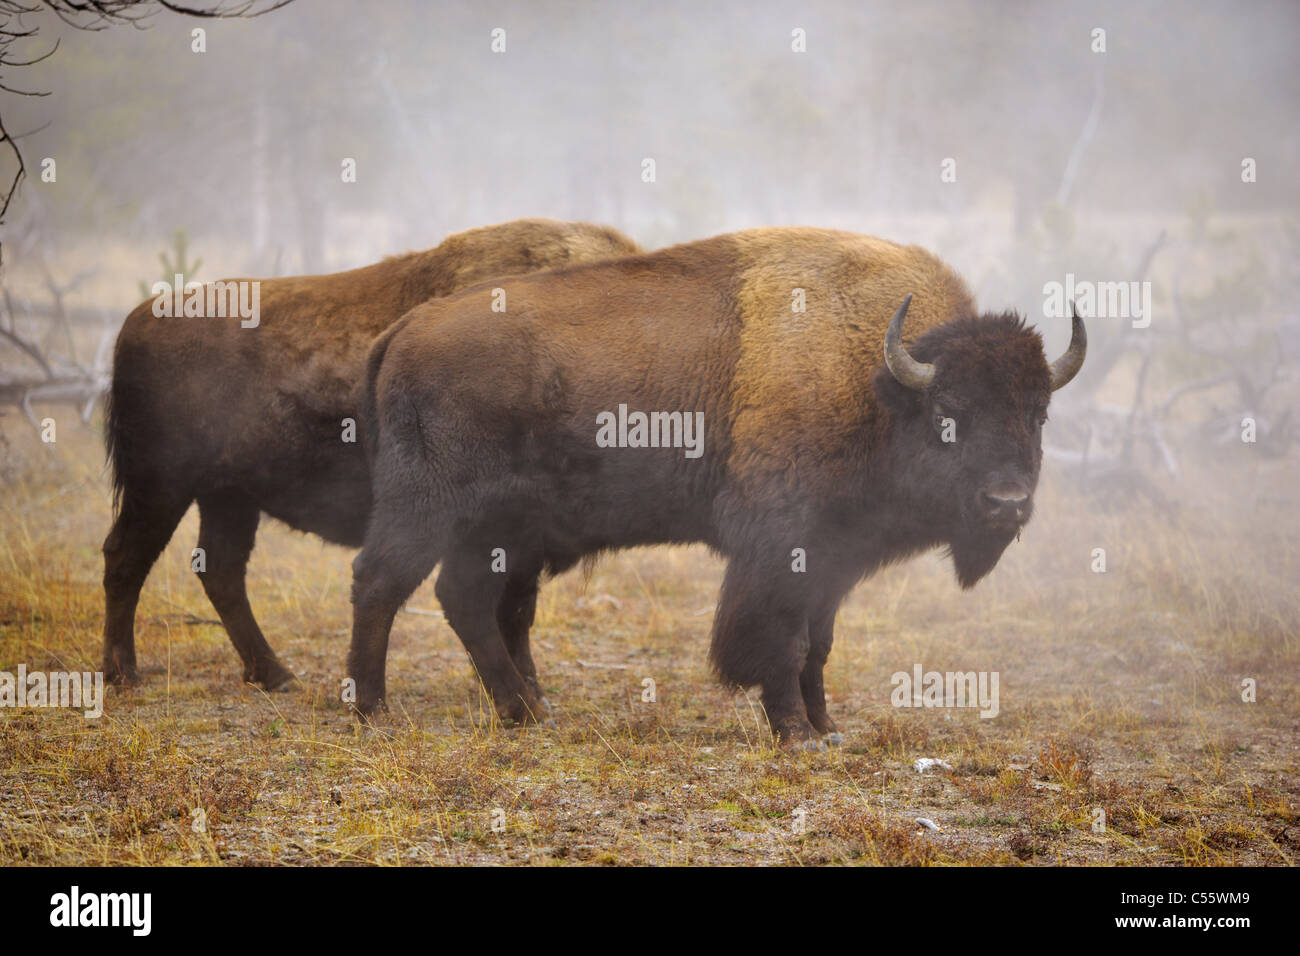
[{"x": 1005, "y": 503}]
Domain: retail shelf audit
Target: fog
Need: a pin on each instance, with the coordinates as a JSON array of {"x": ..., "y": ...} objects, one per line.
[
  {"x": 1138, "y": 158},
  {"x": 1015, "y": 140}
]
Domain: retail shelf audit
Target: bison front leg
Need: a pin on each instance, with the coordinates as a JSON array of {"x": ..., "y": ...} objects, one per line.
[
  {"x": 760, "y": 636},
  {"x": 820, "y": 635},
  {"x": 470, "y": 592}
]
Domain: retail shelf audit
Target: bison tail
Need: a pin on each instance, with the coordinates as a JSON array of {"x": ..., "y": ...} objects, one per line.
[
  {"x": 117, "y": 428},
  {"x": 128, "y": 401},
  {"x": 114, "y": 452}
]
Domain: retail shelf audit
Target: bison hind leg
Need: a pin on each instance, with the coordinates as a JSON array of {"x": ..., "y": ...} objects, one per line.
[
  {"x": 490, "y": 607},
  {"x": 144, "y": 524},
  {"x": 515, "y": 614},
  {"x": 397, "y": 556}
]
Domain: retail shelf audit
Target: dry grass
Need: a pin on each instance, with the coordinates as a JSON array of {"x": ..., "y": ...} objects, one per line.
[{"x": 1119, "y": 691}]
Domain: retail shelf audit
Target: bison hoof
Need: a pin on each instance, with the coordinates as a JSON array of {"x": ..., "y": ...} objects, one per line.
[
  {"x": 834, "y": 739},
  {"x": 121, "y": 676},
  {"x": 535, "y": 690},
  {"x": 805, "y": 746},
  {"x": 525, "y": 717},
  {"x": 365, "y": 710},
  {"x": 271, "y": 675},
  {"x": 525, "y": 710},
  {"x": 800, "y": 736}
]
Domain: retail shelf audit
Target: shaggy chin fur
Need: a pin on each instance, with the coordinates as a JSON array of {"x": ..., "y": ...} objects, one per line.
[{"x": 976, "y": 553}]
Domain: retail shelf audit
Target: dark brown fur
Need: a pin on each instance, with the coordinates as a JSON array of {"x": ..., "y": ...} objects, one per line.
[
  {"x": 245, "y": 420},
  {"x": 484, "y": 438}
]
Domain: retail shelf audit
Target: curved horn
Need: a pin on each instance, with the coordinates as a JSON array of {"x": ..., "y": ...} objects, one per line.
[
  {"x": 915, "y": 375},
  {"x": 1068, "y": 365}
]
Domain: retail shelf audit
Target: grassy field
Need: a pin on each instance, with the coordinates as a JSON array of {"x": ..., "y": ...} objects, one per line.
[{"x": 1119, "y": 690}]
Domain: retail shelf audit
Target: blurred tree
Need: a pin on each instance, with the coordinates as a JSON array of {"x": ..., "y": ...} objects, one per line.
[
  {"x": 21, "y": 25},
  {"x": 172, "y": 266}
]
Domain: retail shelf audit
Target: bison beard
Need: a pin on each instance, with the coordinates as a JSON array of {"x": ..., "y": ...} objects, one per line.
[
  {"x": 482, "y": 443},
  {"x": 975, "y": 553}
]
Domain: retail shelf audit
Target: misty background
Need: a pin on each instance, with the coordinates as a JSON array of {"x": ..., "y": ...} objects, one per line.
[{"x": 1117, "y": 166}]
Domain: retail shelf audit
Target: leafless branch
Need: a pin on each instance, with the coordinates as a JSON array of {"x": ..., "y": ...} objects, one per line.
[{"x": 92, "y": 16}]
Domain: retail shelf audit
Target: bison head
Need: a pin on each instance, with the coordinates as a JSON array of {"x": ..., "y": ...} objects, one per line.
[{"x": 968, "y": 403}]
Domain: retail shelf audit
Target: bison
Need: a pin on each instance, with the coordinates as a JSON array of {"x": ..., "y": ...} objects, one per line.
[
  {"x": 252, "y": 416},
  {"x": 829, "y": 448}
]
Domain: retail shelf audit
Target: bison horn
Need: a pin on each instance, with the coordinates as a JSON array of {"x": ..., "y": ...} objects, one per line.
[
  {"x": 1068, "y": 365},
  {"x": 908, "y": 371}
]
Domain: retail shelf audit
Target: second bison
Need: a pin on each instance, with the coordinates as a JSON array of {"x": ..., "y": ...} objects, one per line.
[
  {"x": 750, "y": 391},
  {"x": 246, "y": 418}
]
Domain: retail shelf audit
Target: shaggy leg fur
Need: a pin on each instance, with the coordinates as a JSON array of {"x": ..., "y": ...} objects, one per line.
[{"x": 760, "y": 636}]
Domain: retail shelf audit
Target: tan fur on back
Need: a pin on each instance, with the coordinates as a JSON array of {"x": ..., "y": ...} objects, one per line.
[{"x": 537, "y": 243}]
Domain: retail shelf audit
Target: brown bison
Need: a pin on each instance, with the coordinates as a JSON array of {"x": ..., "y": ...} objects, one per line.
[
  {"x": 250, "y": 416},
  {"x": 822, "y": 448}
]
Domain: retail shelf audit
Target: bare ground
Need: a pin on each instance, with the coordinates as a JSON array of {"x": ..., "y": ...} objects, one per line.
[{"x": 1120, "y": 690}]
